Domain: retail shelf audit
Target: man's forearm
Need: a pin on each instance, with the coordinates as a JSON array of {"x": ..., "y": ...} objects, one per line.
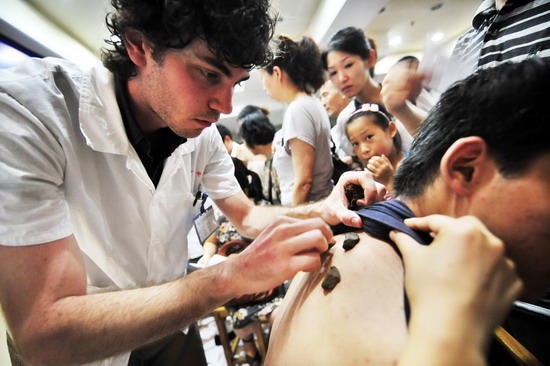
[
  {"x": 411, "y": 116},
  {"x": 79, "y": 329},
  {"x": 261, "y": 216}
]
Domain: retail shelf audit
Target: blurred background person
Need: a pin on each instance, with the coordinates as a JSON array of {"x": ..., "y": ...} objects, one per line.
[
  {"x": 258, "y": 133},
  {"x": 333, "y": 100},
  {"x": 302, "y": 157},
  {"x": 234, "y": 149}
]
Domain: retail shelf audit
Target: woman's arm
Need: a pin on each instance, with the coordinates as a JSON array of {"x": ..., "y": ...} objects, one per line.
[
  {"x": 209, "y": 248},
  {"x": 303, "y": 158}
]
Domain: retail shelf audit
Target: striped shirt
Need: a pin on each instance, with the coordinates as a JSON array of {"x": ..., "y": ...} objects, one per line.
[{"x": 519, "y": 30}]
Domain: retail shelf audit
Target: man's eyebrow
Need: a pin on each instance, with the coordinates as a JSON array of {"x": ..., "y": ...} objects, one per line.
[
  {"x": 244, "y": 78},
  {"x": 212, "y": 61}
]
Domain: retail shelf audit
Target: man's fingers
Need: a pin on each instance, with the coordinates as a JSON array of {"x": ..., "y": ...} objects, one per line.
[
  {"x": 381, "y": 192},
  {"x": 350, "y": 218},
  {"x": 363, "y": 179},
  {"x": 432, "y": 223},
  {"x": 314, "y": 240},
  {"x": 405, "y": 243},
  {"x": 465, "y": 225},
  {"x": 306, "y": 262}
]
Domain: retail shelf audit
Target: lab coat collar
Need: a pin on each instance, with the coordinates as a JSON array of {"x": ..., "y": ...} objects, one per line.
[{"x": 100, "y": 117}]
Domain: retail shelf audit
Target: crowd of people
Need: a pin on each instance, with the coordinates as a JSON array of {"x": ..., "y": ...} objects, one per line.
[{"x": 104, "y": 173}]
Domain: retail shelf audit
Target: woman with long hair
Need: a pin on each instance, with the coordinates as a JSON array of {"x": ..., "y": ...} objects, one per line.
[{"x": 302, "y": 157}]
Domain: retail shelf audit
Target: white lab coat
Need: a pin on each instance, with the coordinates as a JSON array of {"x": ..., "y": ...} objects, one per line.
[{"x": 67, "y": 167}]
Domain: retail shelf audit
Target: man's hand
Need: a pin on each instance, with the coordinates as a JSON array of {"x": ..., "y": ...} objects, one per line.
[
  {"x": 462, "y": 281},
  {"x": 402, "y": 83},
  {"x": 400, "y": 88},
  {"x": 284, "y": 248},
  {"x": 334, "y": 209}
]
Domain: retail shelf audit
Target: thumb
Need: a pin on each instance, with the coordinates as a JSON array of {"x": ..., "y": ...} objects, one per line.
[
  {"x": 406, "y": 245},
  {"x": 350, "y": 218}
]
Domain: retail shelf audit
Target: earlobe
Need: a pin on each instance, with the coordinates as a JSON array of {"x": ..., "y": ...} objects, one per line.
[
  {"x": 463, "y": 163},
  {"x": 135, "y": 44}
]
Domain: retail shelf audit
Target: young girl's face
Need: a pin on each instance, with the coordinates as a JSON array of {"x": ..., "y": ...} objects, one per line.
[{"x": 369, "y": 139}]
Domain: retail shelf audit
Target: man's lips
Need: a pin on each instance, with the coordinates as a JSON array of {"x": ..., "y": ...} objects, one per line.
[{"x": 206, "y": 122}]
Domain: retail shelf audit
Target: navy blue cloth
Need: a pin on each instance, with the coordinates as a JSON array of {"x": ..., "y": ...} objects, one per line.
[{"x": 382, "y": 217}]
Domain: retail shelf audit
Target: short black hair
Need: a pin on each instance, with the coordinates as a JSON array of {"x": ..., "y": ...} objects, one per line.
[
  {"x": 247, "y": 109},
  {"x": 507, "y": 106},
  {"x": 224, "y": 131},
  {"x": 301, "y": 61},
  {"x": 256, "y": 129},
  {"x": 236, "y": 31},
  {"x": 349, "y": 40},
  {"x": 409, "y": 58}
]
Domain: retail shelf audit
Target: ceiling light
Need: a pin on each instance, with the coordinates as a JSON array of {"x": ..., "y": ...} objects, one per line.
[
  {"x": 437, "y": 36},
  {"x": 395, "y": 41}
]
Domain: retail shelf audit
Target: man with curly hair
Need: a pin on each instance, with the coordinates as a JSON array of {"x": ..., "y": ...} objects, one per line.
[{"x": 102, "y": 172}]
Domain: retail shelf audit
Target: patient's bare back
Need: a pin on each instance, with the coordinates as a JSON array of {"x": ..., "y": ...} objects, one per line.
[{"x": 358, "y": 320}]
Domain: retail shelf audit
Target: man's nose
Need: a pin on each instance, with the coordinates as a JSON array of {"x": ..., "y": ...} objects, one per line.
[{"x": 222, "y": 100}]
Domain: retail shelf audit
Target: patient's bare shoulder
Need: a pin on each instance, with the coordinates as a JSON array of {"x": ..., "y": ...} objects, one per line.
[{"x": 360, "y": 319}]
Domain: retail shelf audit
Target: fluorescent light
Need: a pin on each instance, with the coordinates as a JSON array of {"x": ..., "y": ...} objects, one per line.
[
  {"x": 436, "y": 37},
  {"x": 395, "y": 41}
]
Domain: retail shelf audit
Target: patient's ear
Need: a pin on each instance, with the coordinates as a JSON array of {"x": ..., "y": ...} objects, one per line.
[{"x": 464, "y": 163}]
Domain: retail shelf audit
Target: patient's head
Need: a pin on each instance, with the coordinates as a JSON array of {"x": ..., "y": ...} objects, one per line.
[{"x": 484, "y": 151}]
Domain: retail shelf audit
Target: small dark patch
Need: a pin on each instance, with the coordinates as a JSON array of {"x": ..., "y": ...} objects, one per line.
[
  {"x": 350, "y": 241},
  {"x": 331, "y": 279}
]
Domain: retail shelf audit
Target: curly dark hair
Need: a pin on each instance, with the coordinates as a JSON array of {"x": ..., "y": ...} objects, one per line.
[
  {"x": 301, "y": 61},
  {"x": 236, "y": 31}
]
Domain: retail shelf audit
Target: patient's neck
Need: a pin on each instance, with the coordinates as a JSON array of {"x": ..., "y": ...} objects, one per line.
[{"x": 436, "y": 199}]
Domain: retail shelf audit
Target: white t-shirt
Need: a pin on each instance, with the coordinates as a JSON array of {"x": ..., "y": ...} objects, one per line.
[
  {"x": 306, "y": 120},
  {"x": 67, "y": 167}
]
